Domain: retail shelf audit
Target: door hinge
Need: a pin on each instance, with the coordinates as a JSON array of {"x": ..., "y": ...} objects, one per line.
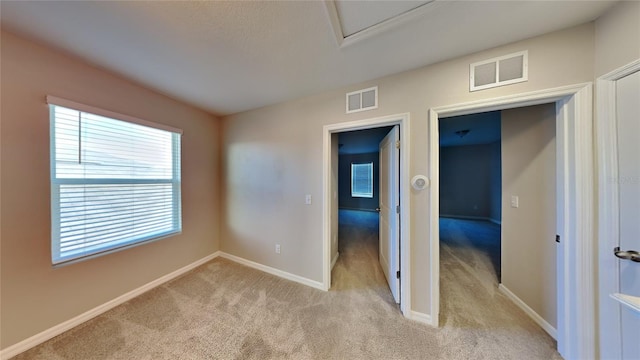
[
  {"x": 398, "y": 274},
  {"x": 398, "y": 209},
  {"x": 398, "y": 144},
  {"x": 557, "y": 238}
]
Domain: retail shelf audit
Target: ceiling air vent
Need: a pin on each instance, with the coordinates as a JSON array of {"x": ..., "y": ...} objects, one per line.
[
  {"x": 503, "y": 70},
  {"x": 365, "y": 99}
]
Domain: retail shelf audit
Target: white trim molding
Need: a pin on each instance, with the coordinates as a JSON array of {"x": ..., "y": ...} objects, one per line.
[
  {"x": 56, "y": 330},
  {"x": 273, "y": 271},
  {"x": 419, "y": 317},
  {"x": 608, "y": 198},
  {"x": 405, "y": 210},
  {"x": 576, "y": 326},
  {"x": 529, "y": 311}
]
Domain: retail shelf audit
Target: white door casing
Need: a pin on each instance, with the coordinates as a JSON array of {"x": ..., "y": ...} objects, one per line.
[
  {"x": 576, "y": 215},
  {"x": 619, "y": 203},
  {"x": 389, "y": 197}
]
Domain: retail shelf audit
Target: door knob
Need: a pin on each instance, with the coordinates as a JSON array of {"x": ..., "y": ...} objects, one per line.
[
  {"x": 627, "y": 255},
  {"x": 378, "y": 209}
]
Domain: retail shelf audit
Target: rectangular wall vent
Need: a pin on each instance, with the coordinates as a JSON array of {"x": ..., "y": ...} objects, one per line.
[
  {"x": 365, "y": 99},
  {"x": 499, "y": 71}
]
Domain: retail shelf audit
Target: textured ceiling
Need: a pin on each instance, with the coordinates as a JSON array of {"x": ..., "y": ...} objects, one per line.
[{"x": 227, "y": 57}]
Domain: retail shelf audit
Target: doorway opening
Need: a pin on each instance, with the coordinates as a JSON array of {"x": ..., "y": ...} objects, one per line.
[
  {"x": 498, "y": 219},
  {"x": 470, "y": 212},
  {"x": 575, "y": 208},
  {"x": 359, "y": 205},
  {"x": 358, "y": 261}
]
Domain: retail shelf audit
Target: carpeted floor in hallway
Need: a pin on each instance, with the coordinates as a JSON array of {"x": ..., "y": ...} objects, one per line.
[{"x": 223, "y": 310}]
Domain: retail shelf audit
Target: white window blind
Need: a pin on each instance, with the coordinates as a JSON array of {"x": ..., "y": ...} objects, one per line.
[
  {"x": 362, "y": 180},
  {"x": 114, "y": 183}
]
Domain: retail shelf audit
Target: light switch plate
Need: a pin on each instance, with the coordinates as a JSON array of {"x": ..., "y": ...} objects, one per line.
[
  {"x": 307, "y": 199},
  {"x": 515, "y": 201}
]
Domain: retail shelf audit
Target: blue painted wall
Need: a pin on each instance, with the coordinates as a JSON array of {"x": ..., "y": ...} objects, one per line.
[{"x": 470, "y": 181}]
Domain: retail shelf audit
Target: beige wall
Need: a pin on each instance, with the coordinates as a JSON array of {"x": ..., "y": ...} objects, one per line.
[
  {"x": 281, "y": 145},
  {"x": 36, "y": 296},
  {"x": 528, "y": 232},
  {"x": 617, "y": 37}
]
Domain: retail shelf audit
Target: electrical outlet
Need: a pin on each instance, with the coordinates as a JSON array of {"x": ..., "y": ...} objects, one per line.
[{"x": 277, "y": 248}]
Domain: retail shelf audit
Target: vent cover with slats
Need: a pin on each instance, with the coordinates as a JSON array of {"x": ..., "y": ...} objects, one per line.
[
  {"x": 503, "y": 70},
  {"x": 365, "y": 99}
]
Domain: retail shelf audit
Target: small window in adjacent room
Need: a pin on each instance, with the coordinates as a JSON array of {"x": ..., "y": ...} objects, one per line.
[
  {"x": 115, "y": 181},
  {"x": 362, "y": 180}
]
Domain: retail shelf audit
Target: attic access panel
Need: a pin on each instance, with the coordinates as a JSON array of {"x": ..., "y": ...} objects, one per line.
[
  {"x": 356, "y": 16},
  {"x": 353, "y": 21}
]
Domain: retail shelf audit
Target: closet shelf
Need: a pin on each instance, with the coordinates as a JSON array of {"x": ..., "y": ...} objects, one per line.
[{"x": 632, "y": 302}]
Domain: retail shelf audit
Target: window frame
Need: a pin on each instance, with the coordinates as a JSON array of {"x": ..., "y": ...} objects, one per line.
[
  {"x": 362, "y": 194},
  {"x": 55, "y": 183}
]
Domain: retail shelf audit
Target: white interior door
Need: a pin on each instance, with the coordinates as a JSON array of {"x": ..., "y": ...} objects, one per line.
[
  {"x": 628, "y": 131},
  {"x": 619, "y": 220},
  {"x": 389, "y": 204}
]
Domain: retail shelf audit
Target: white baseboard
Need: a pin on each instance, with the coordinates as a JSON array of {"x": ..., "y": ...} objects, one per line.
[
  {"x": 273, "y": 271},
  {"x": 56, "y": 330},
  {"x": 419, "y": 317},
  {"x": 534, "y": 315},
  {"x": 334, "y": 260}
]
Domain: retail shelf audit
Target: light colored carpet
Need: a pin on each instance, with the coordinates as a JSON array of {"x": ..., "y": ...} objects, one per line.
[
  {"x": 223, "y": 310},
  {"x": 483, "y": 321}
]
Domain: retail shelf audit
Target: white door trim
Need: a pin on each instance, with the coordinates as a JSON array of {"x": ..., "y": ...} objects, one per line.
[
  {"x": 405, "y": 209},
  {"x": 576, "y": 196},
  {"x": 610, "y": 337}
]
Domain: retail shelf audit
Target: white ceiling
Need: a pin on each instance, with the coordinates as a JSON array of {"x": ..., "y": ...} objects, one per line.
[{"x": 227, "y": 57}]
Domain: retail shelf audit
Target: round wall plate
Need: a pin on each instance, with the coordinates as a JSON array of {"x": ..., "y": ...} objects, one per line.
[{"x": 420, "y": 182}]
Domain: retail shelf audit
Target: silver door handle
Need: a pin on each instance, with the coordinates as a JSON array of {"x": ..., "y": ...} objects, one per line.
[
  {"x": 627, "y": 255},
  {"x": 378, "y": 209}
]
